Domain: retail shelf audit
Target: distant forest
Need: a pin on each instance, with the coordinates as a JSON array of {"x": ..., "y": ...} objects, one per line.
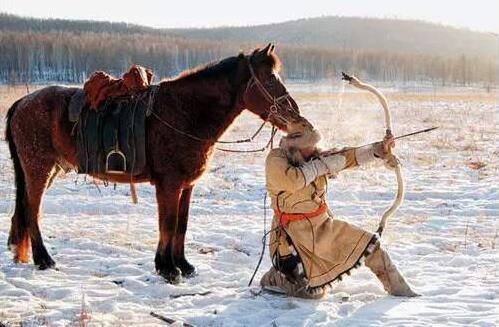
[{"x": 36, "y": 50}]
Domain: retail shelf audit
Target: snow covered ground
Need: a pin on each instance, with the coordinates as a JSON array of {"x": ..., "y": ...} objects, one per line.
[{"x": 444, "y": 238}]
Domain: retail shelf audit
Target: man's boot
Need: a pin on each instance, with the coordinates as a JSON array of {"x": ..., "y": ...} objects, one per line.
[
  {"x": 276, "y": 281},
  {"x": 381, "y": 265}
]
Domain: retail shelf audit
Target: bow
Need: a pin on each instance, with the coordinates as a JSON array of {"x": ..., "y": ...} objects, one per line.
[{"x": 391, "y": 158}]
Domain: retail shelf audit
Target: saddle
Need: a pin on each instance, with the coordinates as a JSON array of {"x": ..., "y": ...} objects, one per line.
[
  {"x": 109, "y": 116},
  {"x": 101, "y": 86}
]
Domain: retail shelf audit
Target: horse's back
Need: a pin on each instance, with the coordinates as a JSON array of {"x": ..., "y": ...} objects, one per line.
[
  {"x": 48, "y": 96},
  {"x": 41, "y": 118},
  {"x": 51, "y": 101}
]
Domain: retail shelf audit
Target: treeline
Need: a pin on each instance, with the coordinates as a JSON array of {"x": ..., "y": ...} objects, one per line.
[
  {"x": 315, "y": 64},
  {"x": 72, "y": 57},
  {"x": 49, "y": 52}
]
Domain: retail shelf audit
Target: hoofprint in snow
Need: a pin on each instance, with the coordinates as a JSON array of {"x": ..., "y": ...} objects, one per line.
[{"x": 444, "y": 238}]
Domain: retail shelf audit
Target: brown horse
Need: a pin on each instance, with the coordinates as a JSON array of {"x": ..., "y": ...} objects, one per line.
[{"x": 190, "y": 113}]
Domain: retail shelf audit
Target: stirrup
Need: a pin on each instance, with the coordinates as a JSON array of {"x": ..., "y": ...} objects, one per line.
[
  {"x": 115, "y": 159},
  {"x": 115, "y": 162}
]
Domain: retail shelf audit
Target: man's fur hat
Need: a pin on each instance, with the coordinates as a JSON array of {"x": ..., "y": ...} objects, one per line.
[{"x": 301, "y": 135}]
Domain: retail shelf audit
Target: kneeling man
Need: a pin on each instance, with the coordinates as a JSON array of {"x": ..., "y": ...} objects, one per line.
[{"x": 308, "y": 247}]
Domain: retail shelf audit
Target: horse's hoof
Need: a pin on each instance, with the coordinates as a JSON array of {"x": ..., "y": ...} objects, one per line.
[
  {"x": 187, "y": 269},
  {"x": 171, "y": 276},
  {"x": 45, "y": 264}
]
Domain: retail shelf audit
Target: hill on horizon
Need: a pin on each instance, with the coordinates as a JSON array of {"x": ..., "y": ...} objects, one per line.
[{"x": 356, "y": 33}]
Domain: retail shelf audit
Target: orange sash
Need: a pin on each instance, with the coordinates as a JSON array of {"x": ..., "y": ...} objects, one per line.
[{"x": 285, "y": 218}]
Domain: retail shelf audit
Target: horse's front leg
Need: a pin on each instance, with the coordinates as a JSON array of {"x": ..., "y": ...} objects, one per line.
[
  {"x": 179, "y": 241},
  {"x": 168, "y": 196}
]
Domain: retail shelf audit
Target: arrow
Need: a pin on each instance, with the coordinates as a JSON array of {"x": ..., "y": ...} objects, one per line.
[{"x": 426, "y": 130}]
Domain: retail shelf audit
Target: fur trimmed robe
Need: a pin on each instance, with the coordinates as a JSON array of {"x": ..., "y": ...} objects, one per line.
[{"x": 326, "y": 247}]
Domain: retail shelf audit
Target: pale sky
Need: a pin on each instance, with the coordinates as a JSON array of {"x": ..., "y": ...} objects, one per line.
[{"x": 482, "y": 15}]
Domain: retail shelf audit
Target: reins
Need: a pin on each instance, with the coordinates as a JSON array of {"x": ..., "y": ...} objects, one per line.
[
  {"x": 266, "y": 146},
  {"x": 199, "y": 139},
  {"x": 264, "y": 238}
]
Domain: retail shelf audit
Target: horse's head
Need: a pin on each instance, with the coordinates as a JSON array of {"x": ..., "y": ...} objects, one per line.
[{"x": 265, "y": 94}]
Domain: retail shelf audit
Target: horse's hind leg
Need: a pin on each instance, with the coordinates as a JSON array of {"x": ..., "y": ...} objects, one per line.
[
  {"x": 37, "y": 180},
  {"x": 179, "y": 241},
  {"x": 30, "y": 131},
  {"x": 25, "y": 221},
  {"x": 18, "y": 240}
]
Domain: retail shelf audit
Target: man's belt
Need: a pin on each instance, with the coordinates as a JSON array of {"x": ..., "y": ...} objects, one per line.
[{"x": 285, "y": 218}]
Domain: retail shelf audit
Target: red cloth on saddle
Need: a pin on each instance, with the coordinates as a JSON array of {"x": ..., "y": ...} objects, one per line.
[{"x": 101, "y": 85}]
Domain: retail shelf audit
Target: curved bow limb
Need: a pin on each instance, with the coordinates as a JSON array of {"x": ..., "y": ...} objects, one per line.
[{"x": 391, "y": 157}]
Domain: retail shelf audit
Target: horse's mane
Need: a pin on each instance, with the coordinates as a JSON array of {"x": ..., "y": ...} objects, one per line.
[
  {"x": 222, "y": 67},
  {"x": 211, "y": 69}
]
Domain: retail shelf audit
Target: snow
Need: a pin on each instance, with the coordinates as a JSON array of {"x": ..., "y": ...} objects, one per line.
[{"x": 443, "y": 238}]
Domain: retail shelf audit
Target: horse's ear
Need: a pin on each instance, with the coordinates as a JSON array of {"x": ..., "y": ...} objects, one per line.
[
  {"x": 267, "y": 50},
  {"x": 271, "y": 50}
]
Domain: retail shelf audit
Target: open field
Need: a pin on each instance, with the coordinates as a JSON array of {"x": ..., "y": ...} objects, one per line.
[{"x": 444, "y": 238}]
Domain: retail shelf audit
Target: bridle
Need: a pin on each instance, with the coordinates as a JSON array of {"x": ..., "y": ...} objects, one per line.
[{"x": 276, "y": 103}]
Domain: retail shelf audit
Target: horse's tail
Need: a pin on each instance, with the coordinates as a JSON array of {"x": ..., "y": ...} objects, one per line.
[{"x": 20, "y": 213}]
